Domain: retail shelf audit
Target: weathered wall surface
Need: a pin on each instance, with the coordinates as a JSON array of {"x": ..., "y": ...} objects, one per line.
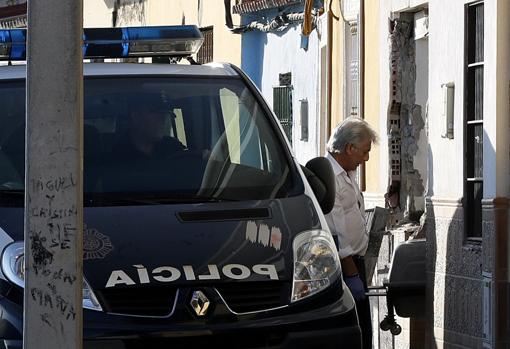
[
  {"x": 107, "y": 13},
  {"x": 454, "y": 283},
  {"x": 204, "y": 13},
  {"x": 372, "y": 102},
  {"x": 468, "y": 280},
  {"x": 453, "y": 268},
  {"x": 266, "y": 55},
  {"x": 283, "y": 55}
]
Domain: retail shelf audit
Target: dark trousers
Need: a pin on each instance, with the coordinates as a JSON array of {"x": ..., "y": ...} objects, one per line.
[{"x": 363, "y": 307}]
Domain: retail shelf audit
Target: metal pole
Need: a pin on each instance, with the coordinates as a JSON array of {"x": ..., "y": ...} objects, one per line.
[{"x": 53, "y": 199}]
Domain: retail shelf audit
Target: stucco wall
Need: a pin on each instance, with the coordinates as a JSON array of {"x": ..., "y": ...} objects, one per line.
[
  {"x": 97, "y": 13},
  {"x": 446, "y": 64},
  {"x": 454, "y": 269},
  {"x": 287, "y": 56},
  {"x": 372, "y": 97},
  {"x": 384, "y": 90},
  {"x": 203, "y": 13},
  {"x": 496, "y": 96},
  {"x": 462, "y": 313},
  {"x": 422, "y": 94}
]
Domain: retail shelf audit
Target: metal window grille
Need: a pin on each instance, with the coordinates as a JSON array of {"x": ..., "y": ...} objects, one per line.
[
  {"x": 205, "y": 54},
  {"x": 282, "y": 107},
  {"x": 473, "y": 183}
]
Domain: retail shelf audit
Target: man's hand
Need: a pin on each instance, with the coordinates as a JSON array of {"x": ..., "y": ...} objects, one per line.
[{"x": 356, "y": 286}]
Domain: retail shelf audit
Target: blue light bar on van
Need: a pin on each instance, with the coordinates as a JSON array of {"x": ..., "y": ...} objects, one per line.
[
  {"x": 176, "y": 41},
  {"x": 13, "y": 44}
]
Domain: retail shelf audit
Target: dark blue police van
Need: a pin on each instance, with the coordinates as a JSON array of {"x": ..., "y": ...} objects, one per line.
[{"x": 200, "y": 227}]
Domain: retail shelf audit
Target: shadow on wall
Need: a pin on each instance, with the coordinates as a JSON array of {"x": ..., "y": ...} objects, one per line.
[
  {"x": 454, "y": 285},
  {"x": 454, "y": 275}
]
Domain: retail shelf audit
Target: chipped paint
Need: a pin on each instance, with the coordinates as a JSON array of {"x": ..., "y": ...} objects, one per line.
[
  {"x": 251, "y": 231},
  {"x": 263, "y": 234},
  {"x": 276, "y": 238}
]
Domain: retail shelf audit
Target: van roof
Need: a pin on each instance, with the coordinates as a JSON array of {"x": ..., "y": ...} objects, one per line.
[{"x": 18, "y": 71}]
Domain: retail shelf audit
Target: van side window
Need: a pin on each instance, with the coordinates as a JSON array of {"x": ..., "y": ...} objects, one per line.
[
  {"x": 178, "y": 126},
  {"x": 230, "y": 110},
  {"x": 246, "y": 145}
]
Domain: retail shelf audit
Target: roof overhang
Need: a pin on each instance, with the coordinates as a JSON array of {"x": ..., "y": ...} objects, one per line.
[
  {"x": 13, "y": 16},
  {"x": 247, "y": 6}
]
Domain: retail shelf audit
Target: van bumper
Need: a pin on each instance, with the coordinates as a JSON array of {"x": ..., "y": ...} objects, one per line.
[{"x": 326, "y": 326}]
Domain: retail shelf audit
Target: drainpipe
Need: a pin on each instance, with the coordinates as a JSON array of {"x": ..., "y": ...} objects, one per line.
[
  {"x": 361, "y": 28},
  {"x": 228, "y": 14},
  {"x": 329, "y": 77}
]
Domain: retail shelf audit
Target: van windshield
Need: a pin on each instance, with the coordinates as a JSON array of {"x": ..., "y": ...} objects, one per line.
[{"x": 162, "y": 139}]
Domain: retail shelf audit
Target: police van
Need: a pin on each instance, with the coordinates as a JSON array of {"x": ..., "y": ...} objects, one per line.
[{"x": 200, "y": 227}]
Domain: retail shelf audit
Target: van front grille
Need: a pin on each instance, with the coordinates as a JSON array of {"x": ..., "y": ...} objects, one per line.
[
  {"x": 147, "y": 301},
  {"x": 245, "y": 297}
]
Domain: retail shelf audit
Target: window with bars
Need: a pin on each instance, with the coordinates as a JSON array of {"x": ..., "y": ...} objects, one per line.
[
  {"x": 473, "y": 128},
  {"x": 205, "y": 54},
  {"x": 282, "y": 107}
]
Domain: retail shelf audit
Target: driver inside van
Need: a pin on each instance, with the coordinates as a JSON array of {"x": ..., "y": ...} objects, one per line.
[{"x": 147, "y": 136}]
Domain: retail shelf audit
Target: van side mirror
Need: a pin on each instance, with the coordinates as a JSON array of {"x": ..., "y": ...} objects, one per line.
[{"x": 321, "y": 178}]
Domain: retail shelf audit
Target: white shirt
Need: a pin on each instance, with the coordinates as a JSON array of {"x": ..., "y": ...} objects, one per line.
[{"x": 347, "y": 219}]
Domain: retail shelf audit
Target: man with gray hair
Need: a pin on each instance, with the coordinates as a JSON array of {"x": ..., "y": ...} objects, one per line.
[{"x": 348, "y": 147}]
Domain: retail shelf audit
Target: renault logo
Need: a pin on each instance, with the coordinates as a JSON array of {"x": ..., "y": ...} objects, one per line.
[{"x": 199, "y": 303}]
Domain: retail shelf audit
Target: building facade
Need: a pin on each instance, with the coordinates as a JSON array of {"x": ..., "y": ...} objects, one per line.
[
  {"x": 432, "y": 77},
  {"x": 220, "y": 45},
  {"x": 286, "y": 51},
  {"x": 13, "y": 14},
  {"x": 444, "y": 158}
]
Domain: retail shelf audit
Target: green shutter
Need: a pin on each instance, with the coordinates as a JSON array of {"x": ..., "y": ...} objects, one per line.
[{"x": 282, "y": 107}]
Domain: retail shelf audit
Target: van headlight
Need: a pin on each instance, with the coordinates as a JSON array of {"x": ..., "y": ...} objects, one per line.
[
  {"x": 13, "y": 263},
  {"x": 13, "y": 268},
  {"x": 316, "y": 263}
]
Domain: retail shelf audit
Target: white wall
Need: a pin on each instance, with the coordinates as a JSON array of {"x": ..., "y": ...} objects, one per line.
[
  {"x": 446, "y": 64},
  {"x": 446, "y": 45},
  {"x": 446, "y": 26},
  {"x": 422, "y": 95},
  {"x": 282, "y": 55},
  {"x": 384, "y": 86},
  {"x": 97, "y": 13},
  {"x": 399, "y": 5},
  {"x": 227, "y": 46},
  {"x": 496, "y": 96}
]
